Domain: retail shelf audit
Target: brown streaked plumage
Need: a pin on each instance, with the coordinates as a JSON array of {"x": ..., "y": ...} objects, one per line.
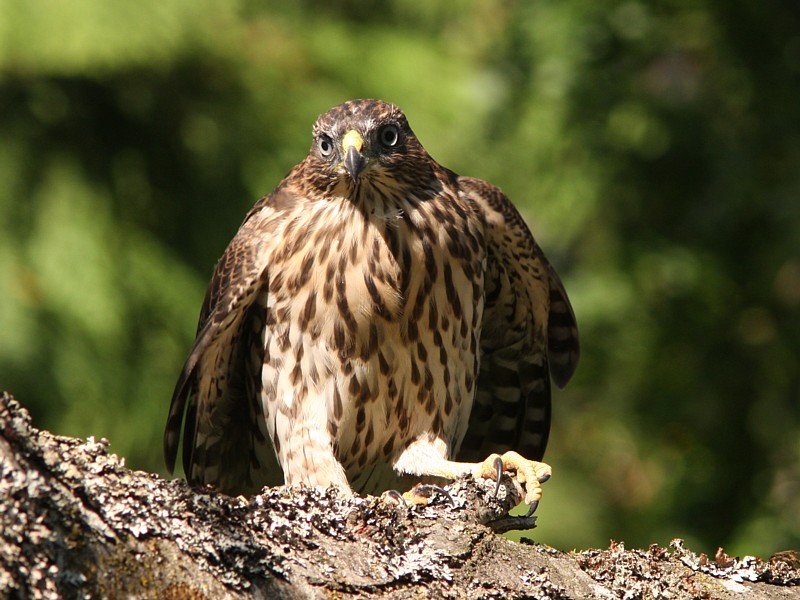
[{"x": 376, "y": 317}]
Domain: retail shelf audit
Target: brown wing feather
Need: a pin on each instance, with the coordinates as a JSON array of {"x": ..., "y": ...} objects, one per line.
[
  {"x": 563, "y": 344},
  {"x": 529, "y": 333},
  {"x": 224, "y": 441}
]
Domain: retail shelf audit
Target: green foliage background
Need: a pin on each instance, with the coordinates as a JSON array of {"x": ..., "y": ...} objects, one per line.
[{"x": 653, "y": 147}]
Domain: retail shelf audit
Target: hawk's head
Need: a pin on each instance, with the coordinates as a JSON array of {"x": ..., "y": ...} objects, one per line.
[{"x": 367, "y": 143}]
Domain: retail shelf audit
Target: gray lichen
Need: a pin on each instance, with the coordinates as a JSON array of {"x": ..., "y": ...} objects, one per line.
[{"x": 75, "y": 522}]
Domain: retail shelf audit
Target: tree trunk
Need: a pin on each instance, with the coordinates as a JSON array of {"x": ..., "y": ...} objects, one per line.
[{"x": 77, "y": 523}]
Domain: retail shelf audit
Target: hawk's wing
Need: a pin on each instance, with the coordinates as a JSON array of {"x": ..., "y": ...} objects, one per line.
[
  {"x": 225, "y": 442},
  {"x": 529, "y": 333}
]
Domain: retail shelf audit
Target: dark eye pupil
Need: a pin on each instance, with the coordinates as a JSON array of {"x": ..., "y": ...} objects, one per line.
[
  {"x": 325, "y": 146},
  {"x": 389, "y": 136}
]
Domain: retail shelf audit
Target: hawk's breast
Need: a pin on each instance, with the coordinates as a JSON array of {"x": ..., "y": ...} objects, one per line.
[{"x": 374, "y": 340}]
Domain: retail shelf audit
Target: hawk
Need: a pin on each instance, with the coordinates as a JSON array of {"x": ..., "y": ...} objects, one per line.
[{"x": 376, "y": 319}]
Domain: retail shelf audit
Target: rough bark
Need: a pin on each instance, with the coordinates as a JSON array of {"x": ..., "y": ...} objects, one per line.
[{"x": 75, "y": 522}]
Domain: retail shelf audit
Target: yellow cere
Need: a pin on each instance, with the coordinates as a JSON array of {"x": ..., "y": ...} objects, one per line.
[{"x": 354, "y": 139}]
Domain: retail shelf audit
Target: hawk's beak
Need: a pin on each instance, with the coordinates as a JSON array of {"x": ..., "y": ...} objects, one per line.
[{"x": 354, "y": 161}]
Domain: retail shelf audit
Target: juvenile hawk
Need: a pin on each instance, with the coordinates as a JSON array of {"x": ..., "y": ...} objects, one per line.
[{"x": 376, "y": 317}]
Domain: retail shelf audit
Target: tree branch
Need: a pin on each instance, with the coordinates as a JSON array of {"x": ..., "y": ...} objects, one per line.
[{"x": 75, "y": 523}]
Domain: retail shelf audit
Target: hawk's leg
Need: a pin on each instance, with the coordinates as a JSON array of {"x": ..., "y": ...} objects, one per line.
[
  {"x": 427, "y": 458},
  {"x": 307, "y": 458}
]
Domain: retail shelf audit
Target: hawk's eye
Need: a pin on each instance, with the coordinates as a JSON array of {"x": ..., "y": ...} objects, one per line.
[
  {"x": 389, "y": 136},
  {"x": 325, "y": 146}
]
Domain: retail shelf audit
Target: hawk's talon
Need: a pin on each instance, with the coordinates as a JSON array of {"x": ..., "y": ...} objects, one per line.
[
  {"x": 422, "y": 493},
  {"x": 532, "y": 509},
  {"x": 545, "y": 477},
  {"x": 394, "y": 496},
  {"x": 498, "y": 466}
]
